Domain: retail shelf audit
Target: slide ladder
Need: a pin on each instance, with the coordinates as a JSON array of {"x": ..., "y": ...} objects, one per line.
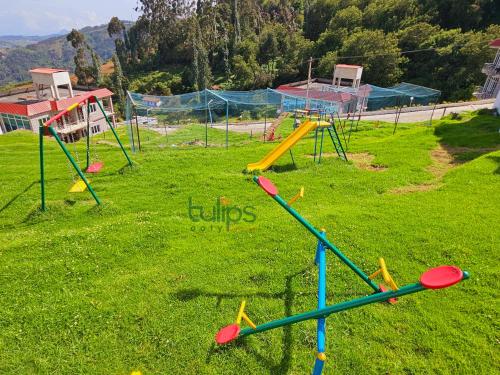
[
  {"x": 269, "y": 135},
  {"x": 334, "y": 135}
]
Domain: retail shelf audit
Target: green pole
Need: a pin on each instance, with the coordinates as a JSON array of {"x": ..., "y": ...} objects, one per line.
[
  {"x": 326, "y": 311},
  {"x": 73, "y": 163},
  {"x": 41, "y": 131},
  {"x": 206, "y": 118},
  {"x": 88, "y": 134},
  {"x": 227, "y": 125},
  {"x": 324, "y": 240},
  {"x": 113, "y": 130}
]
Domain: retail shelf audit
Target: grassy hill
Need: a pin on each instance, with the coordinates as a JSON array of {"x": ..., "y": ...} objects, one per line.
[
  {"x": 54, "y": 52},
  {"x": 136, "y": 284}
]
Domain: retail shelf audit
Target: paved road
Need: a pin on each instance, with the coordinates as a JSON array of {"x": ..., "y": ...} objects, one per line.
[{"x": 418, "y": 116}]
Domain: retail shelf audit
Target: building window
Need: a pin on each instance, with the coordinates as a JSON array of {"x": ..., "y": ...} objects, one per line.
[
  {"x": 81, "y": 118},
  {"x": 14, "y": 122},
  {"x": 43, "y": 120},
  {"x": 93, "y": 108},
  {"x": 95, "y": 129}
]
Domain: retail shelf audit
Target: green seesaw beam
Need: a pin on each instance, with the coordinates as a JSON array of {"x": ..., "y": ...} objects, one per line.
[
  {"x": 325, "y": 312},
  {"x": 324, "y": 240}
]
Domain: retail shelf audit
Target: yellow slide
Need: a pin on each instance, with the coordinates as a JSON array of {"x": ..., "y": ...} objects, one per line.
[{"x": 284, "y": 146}]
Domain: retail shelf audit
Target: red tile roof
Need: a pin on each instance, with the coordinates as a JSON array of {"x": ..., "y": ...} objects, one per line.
[
  {"x": 65, "y": 103},
  {"x": 37, "y": 108},
  {"x": 315, "y": 94},
  {"x": 495, "y": 43},
  {"x": 34, "y": 109},
  {"x": 14, "y": 109},
  {"x": 47, "y": 70}
]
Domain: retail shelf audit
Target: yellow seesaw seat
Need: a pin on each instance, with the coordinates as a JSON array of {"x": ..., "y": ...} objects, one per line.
[{"x": 78, "y": 187}]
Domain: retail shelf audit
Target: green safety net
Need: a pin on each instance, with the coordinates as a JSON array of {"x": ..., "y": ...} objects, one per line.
[
  {"x": 218, "y": 108},
  {"x": 373, "y": 98}
]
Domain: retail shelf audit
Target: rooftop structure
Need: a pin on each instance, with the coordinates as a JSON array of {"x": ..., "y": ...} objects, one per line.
[
  {"x": 491, "y": 87},
  {"x": 52, "y": 92},
  {"x": 347, "y": 75}
]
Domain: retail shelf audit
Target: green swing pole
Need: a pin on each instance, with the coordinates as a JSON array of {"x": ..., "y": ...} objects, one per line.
[
  {"x": 41, "y": 131},
  {"x": 227, "y": 124},
  {"x": 73, "y": 163},
  {"x": 326, "y": 311},
  {"x": 325, "y": 241},
  {"x": 321, "y": 145},
  {"x": 88, "y": 134},
  {"x": 113, "y": 130},
  {"x": 206, "y": 118}
]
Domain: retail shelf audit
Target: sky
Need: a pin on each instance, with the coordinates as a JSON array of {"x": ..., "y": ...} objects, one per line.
[{"x": 43, "y": 17}]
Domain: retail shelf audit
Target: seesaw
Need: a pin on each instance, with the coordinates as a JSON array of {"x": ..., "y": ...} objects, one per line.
[{"x": 435, "y": 278}]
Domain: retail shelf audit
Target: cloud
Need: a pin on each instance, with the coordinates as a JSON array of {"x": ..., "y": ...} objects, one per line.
[{"x": 43, "y": 17}]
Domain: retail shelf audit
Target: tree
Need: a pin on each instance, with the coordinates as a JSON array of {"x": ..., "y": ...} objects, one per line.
[
  {"x": 268, "y": 50},
  {"x": 96, "y": 68},
  {"x": 391, "y": 15},
  {"x": 200, "y": 71},
  {"x": 317, "y": 16},
  {"x": 377, "y": 52},
  {"x": 82, "y": 71},
  {"x": 454, "y": 66},
  {"x": 118, "y": 82},
  {"x": 117, "y": 29},
  {"x": 319, "y": 13},
  {"x": 348, "y": 18},
  {"x": 464, "y": 14},
  {"x": 326, "y": 65}
]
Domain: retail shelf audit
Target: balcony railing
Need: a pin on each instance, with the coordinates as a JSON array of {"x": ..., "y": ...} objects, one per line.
[
  {"x": 481, "y": 94},
  {"x": 491, "y": 70}
]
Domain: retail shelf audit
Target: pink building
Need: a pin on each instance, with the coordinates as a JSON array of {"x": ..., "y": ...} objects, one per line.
[{"x": 52, "y": 92}]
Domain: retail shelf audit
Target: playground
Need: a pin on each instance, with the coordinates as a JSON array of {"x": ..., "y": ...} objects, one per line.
[{"x": 139, "y": 283}]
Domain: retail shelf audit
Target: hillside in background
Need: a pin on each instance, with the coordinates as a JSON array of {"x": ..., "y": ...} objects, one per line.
[
  {"x": 54, "y": 52},
  {"x": 13, "y": 41}
]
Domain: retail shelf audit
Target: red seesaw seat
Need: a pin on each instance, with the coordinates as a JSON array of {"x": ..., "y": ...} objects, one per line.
[
  {"x": 267, "y": 186},
  {"x": 227, "y": 334},
  {"x": 441, "y": 277},
  {"x": 95, "y": 167}
]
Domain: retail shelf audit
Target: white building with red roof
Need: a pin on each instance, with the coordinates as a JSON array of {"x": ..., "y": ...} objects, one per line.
[
  {"x": 491, "y": 87},
  {"x": 52, "y": 92},
  {"x": 347, "y": 75}
]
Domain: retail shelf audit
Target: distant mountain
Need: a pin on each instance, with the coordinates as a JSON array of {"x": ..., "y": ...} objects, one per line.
[
  {"x": 13, "y": 41},
  {"x": 54, "y": 52}
]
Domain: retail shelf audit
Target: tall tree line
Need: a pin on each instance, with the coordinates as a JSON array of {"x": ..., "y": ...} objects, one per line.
[{"x": 246, "y": 44}]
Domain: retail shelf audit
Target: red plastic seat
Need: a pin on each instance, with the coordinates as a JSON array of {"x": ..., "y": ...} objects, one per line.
[
  {"x": 95, "y": 167},
  {"x": 441, "y": 277},
  {"x": 267, "y": 186},
  {"x": 227, "y": 334}
]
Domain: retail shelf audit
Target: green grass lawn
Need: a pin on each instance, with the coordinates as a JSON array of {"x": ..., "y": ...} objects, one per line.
[{"x": 137, "y": 285}]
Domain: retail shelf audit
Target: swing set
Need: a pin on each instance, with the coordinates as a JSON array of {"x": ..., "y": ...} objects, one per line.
[
  {"x": 435, "y": 278},
  {"x": 93, "y": 165}
]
